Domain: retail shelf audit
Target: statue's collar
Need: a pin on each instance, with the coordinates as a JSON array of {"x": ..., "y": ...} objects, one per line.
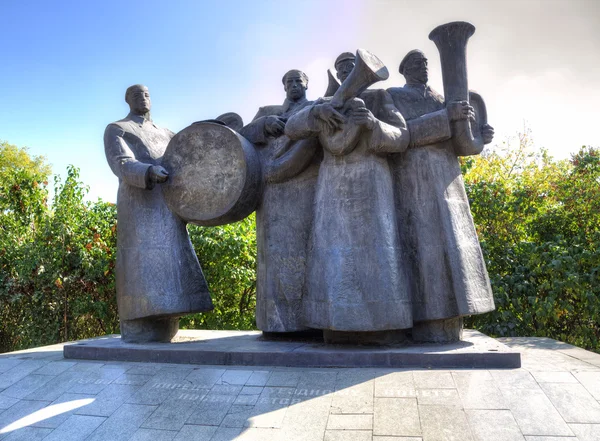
[
  {"x": 139, "y": 118},
  {"x": 287, "y": 104}
]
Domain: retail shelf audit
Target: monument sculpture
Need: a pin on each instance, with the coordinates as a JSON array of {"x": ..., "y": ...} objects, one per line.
[
  {"x": 364, "y": 229},
  {"x": 158, "y": 276}
]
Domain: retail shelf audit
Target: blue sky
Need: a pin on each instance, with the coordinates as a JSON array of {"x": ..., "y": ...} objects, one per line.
[{"x": 67, "y": 64}]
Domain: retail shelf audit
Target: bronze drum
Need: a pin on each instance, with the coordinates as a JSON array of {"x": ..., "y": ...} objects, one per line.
[{"x": 214, "y": 175}]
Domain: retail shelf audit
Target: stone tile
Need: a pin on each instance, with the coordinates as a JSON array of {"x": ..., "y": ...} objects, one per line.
[
  {"x": 153, "y": 435},
  {"x": 496, "y": 425},
  {"x": 554, "y": 377},
  {"x": 62, "y": 408},
  {"x": 123, "y": 423},
  {"x": 440, "y": 423},
  {"x": 56, "y": 386},
  {"x": 354, "y": 399},
  {"x": 95, "y": 381},
  {"x": 573, "y": 401},
  {"x": 397, "y": 438},
  {"x": 535, "y": 414},
  {"x": 171, "y": 415},
  {"x": 477, "y": 390},
  {"x": 258, "y": 378},
  {"x": 396, "y": 385},
  {"x": 6, "y": 402},
  {"x": 144, "y": 369},
  {"x": 210, "y": 412},
  {"x": 551, "y": 438},
  {"x": 439, "y": 397},
  {"x": 86, "y": 366},
  {"x": 109, "y": 400},
  {"x": 514, "y": 379},
  {"x": 586, "y": 432},
  {"x": 27, "y": 434},
  {"x": 239, "y": 416},
  {"x": 591, "y": 381},
  {"x": 259, "y": 434},
  {"x": 235, "y": 377},
  {"x": 246, "y": 400},
  {"x": 350, "y": 422},
  {"x": 268, "y": 415},
  {"x": 133, "y": 379},
  {"x": 205, "y": 376},
  {"x": 348, "y": 435},
  {"x": 152, "y": 394},
  {"x": 26, "y": 386},
  {"x": 396, "y": 417},
  {"x": 200, "y": 433},
  {"x": 323, "y": 380},
  {"x": 284, "y": 379},
  {"x": 19, "y": 371},
  {"x": 251, "y": 390},
  {"x": 227, "y": 434},
  {"x": 55, "y": 368},
  {"x": 23, "y": 413},
  {"x": 75, "y": 428},
  {"x": 225, "y": 389},
  {"x": 433, "y": 380},
  {"x": 9, "y": 363}
]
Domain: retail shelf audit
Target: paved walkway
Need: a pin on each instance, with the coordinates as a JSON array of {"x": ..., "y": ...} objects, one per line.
[{"x": 554, "y": 397}]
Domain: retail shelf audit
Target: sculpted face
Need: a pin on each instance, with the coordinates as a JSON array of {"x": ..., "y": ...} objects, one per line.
[
  {"x": 295, "y": 86},
  {"x": 139, "y": 100},
  {"x": 416, "y": 69},
  {"x": 343, "y": 69}
]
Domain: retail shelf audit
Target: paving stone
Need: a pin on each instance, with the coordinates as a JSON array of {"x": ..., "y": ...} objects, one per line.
[
  {"x": 586, "y": 432},
  {"x": 591, "y": 381},
  {"x": 395, "y": 385},
  {"x": 307, "y": 418},
  {"x": 514, "y": 379},
  {"x": 9, "y": 363},
  {"x": 439, "y": 397},
  {"x": 6, "y": 402},
  {"x": 574, "y": 402},
  {"x": 153, "y": 435},
  {"x": 268, "y": 415},
  {"x": 433, "y": 380},
  {"x": 26, "y": 386},
  {"x": 554, "y": 377},
  {"x": 152, "y": 394},
  {"x": 19, "y": 371},
  {"x": 396, "y": 417},
  {"x": 62, "y": 408},
  {"x": 226, "y": 434},
  {"x": 95, "y": 381},
  {"x": 205, "y": 376},
  {"x": 133, "y": 379},
  {"x": 350, "y": 422},
  {"x": 171, "y": 415},
  {"x": 397, "y": 438},
  {"x": 86, "y": 366},
  {"x": 477, "y": 390},
  {"x": 23, "y": 413},
  {"x": 246, "y": 400},
  {"x": 239, "y": 416},
  {"x": 210, "y": 412},
  {"x": 259, "y": 434},
  {"x": 441, "y": 423},
  {"x": 123, "y": 423},
  {"x": 56, "y": 386},
  {"x": 258, "y": 378},
  {"x": 144, "y": 369},
  {"x": 75, "y": 428},
  {"x": 551, "y": 438},
  {"x": 200, "y": 433},
  {"x": 27, "y": 434},
  {"x": 317, "y": 380},
  {"x": 55, "y": 368},
  {"x": 284, "y": 379},
  {"x": 225, "y": 389},
  {"x": 235, "y": 377},
  {"x": 534, "y": 413},
  {"x": 354, "y": 399},
  {"x": 493, "y": 425},
  {"x": 251, "y": 390},
  {"x": 348, "y": 435}
]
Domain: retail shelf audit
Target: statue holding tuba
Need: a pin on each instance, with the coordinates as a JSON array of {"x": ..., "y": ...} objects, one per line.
[
  {"x": 444, "y": 263},
  {"x": 354, "y": 282}
]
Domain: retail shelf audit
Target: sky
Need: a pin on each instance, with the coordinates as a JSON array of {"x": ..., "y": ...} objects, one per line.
[{"x": 66, "y": 64}]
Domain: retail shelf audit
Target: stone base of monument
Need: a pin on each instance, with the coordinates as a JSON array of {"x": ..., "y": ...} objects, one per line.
[{"x": 250, "y": 348}]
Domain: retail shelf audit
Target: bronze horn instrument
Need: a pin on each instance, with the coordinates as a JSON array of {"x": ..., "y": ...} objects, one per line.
[
  {"x": 451, "y": 40},
  {"x": 368, "y": 69},
  {"x": 333, "y": 84}
]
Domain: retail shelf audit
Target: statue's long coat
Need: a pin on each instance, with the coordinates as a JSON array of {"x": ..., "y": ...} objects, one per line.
[
  {"x": 157, "y": 273},
  {"x": 446, "y": 266},
  {"x": 283, "y": 220}
]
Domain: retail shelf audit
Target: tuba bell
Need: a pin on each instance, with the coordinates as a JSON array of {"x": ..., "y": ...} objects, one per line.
[
  {"x": 333, "y": 84},
  {"x": 451, "y": 40},
  {"x": 368, "y": 69}
]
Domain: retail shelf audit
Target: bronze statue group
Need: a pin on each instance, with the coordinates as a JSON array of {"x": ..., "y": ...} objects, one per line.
[{"x": 364, "y": 229}]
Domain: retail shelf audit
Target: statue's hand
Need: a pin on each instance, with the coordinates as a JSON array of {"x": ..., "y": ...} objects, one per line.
[
  {"x": 274, "y": 126},
  {"x": 487, "y": 132},
  {"x": 460, "y": 110},
  {"x": 158, "y": 174},
  {"x": 331, "y": 117},
  {"x": 363, "y": 117}
]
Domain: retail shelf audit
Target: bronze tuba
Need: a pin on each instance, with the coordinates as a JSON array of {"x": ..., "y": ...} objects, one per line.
[
  {"x": 333, "y": 84},
  {"x": 451, "y": 40},
  {"x": 368, "y": 69}
]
